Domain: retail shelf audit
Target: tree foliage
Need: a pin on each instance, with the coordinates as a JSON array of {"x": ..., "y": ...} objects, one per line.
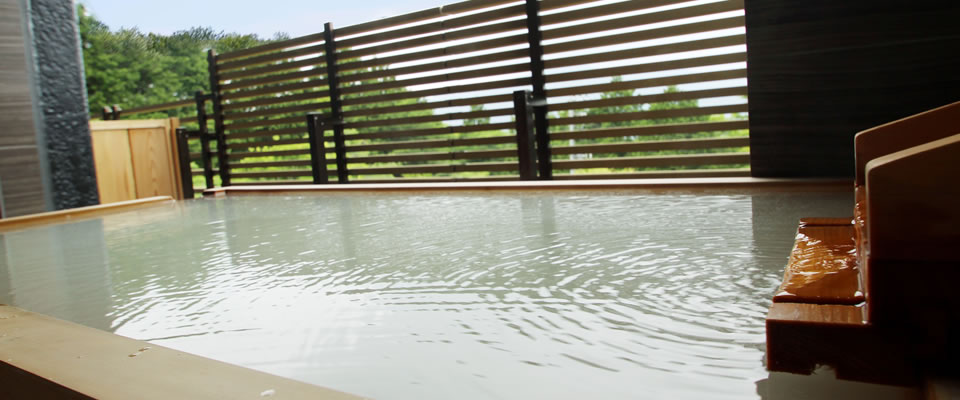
[{"x": 132, "y": 68}]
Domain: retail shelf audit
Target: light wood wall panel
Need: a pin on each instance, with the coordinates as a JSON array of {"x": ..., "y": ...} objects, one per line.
[
  {"x": 135, "y": 159},
  {"x": 152, "y": 162},
  {"x": 112, "y": 156}
]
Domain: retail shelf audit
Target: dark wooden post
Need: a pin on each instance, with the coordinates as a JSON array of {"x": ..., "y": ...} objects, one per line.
[
  {"x": 336, "y": 104},
  {"x": 111, "y": 113},
  {"x": 539, "y": 101},
  {"x": 205, "y": 156},
  {"x": 526, "y": 147},
  {"x": 318, "y": 156},
  {"x": 183, "y": 152},
  {"x": 218, "y": 118}
]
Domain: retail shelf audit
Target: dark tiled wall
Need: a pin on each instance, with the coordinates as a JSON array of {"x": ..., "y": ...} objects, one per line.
[
  {"x": 822, "y": 70},
  {"x": 63, "y": 104}
]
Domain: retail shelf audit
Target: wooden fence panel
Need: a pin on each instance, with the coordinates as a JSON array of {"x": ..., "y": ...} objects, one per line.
[
  {"x": 114, "y": 165},
  {"x": 154, "y": 168},
  {"x": 135, "y": 159},
  {"x": 647, "y": 94},
  {"x": 630, "y": 89}
]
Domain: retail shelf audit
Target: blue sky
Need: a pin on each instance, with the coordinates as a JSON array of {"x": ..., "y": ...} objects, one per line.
[{"x": 295, "y": 17}]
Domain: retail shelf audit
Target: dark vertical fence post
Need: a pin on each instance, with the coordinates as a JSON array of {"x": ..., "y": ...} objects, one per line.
[
  {"x": 183, "y": 152},
  {"x": 318, "y": 156},
  {"x": 218, "y": 118},
  {"x": 534, "y": 37},
  {"x": 336, "y": 105},
  {"x": 111, "y": 113},
  {"x": 526, "y": 148},
  {"x": 206, "y": 157}
]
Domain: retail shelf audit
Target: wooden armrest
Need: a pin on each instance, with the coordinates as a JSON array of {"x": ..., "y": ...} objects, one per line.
[
  {"x": 912, "y": 208},
  {"x": 903, "y": 134}
]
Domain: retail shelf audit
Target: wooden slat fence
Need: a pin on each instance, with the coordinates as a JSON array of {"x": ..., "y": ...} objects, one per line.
[{"x": 486, "y": 90}]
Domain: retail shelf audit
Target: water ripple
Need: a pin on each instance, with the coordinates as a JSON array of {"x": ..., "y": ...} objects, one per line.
[{"x": 636, "y": 293}]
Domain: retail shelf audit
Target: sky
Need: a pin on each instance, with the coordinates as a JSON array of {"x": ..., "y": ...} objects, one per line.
[{"x": 265, "y": 18}]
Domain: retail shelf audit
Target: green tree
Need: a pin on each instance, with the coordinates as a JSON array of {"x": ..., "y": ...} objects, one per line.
[{"x": 132, "y": 69}]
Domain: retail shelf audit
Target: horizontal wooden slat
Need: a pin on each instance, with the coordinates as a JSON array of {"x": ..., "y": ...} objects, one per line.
[
  {"x": 289, "y": 54},
  {"x": 441, "y": 65},
  {"x": 426, "y": 169},
  {"x": 438, "y": 26},
  {"x": 652, "y": 82},
  {"x": 316, "y": 94},
  {"x": 213, "y": 149},
  {"x": 497, "y": 178},
  {"x": 282, "y": 164},
  {"x": 267, "y": 143},
  {"x": 432, "y": 131},
  {"x": 267, "y": 132},
  {"x": 644, "y": 19},
  {"x": 278, "y": 110},
  {"x": 473, "y": 87},
  {"x": 549, "y": 5},
  {"x": 271, "y": 174},
  {"x": 600, "y": 11},
  {"x": 666, "y": 129},
  {"x": 275, "y": 89},
  {"x": 648, "y": 67},
  {"x": 670, "y": 48},
  {"x": 425, "y": 144},
  {"x": 188, "y": 120},
  {"x": 659, "y": 161},
  {"x": 240, "y": 156},
  {"x": 433, "y": 53},
  {"x": 409, "y": 18},
  {"x": 454, "y": 76},
  {"x": 275, "y": 182},
  {"x": 431, "y": 118},
  {"x": 653, "y": 98},
  {"x": 654, "y": 114},
  {"x": 279, "y": 45},
  {"x": 159, "y": 107},
  {"x": 283, "y": 66},
  {"x": 448, "y": 155},
  {"x": 468, "y": 101},
  {"x": 299, "y": 75},
  {"x": 684, "y": 173},
  {"x": 267, "y": 122},
  {"x": 659, "y": 33},
  {"x": 685, "y": 144}
]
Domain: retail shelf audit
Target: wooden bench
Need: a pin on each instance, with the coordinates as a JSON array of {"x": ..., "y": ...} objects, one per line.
[{"x": 873, "y": 295}]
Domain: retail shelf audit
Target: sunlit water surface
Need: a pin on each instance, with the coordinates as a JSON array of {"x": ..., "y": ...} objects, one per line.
[{"x": 549, "y": 295}]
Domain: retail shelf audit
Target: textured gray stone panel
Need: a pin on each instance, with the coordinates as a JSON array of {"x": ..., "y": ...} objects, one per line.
[{"x": 62, "y": 102}]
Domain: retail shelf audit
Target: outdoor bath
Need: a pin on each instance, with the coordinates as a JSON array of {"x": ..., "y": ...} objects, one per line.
[{"x": 563, "y": 294}]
